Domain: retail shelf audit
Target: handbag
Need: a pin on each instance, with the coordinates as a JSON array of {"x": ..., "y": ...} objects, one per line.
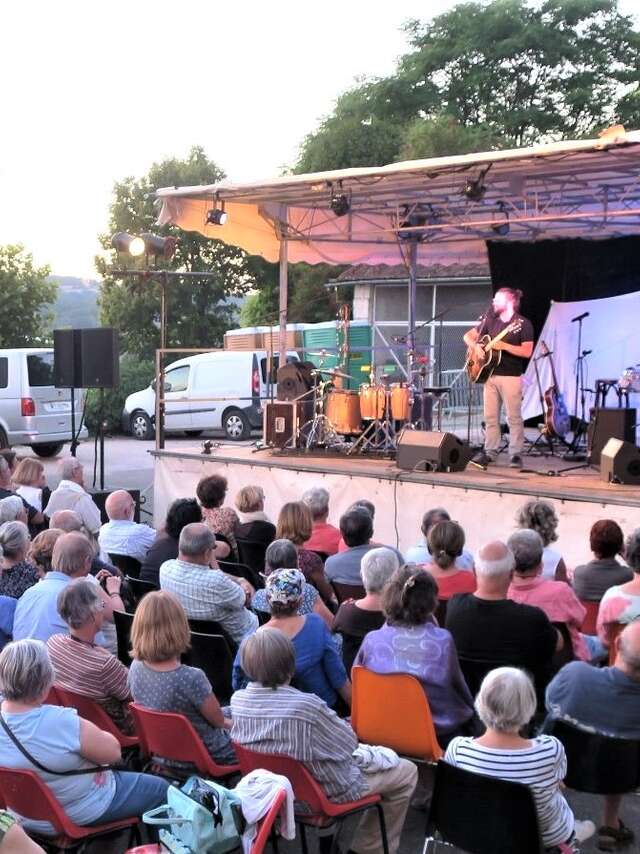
[{"x": 204, "y": 817}]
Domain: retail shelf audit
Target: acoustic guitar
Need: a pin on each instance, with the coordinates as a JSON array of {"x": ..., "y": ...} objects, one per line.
[
  {"x": 480, "y": 369},
  {"x": 557, "y": 421}
]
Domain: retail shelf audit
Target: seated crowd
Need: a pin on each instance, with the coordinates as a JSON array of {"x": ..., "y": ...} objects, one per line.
[{"x": 497, "y": 640}]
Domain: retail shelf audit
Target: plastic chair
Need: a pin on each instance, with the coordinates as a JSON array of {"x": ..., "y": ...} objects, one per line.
[
  {"x": 213, "y": 627},
  {"x": 596, "y": 763},
  {"x": 123, "y": 623},
  {"x": 92, "y": 711},
  {"x": 266, "y": 825},
  {"x": 321, "y": 811},
  {"x": 380, "y": 702},
  {"x": 139, "y": 588},
  {"x": 566, "y": 654},
  {"x": 172, "y": 736},
  {"x": 475, "y": 671},
  {"x": 589, "y": 623},
  {"x": 469, "y": 811},
  {"x": 348, "y": 591},
  {"x": 126, "y": 564},
  {"x": 252, "y": 553},
  {"x": 25, "y": 793},
  {"x": 241, "y": 570},
  {"x": 212, "y": 655}
]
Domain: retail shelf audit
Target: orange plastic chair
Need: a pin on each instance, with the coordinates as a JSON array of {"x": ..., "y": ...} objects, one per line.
[
  {"x": 616, "y": 629},
  {"x": 93, "y": 712},
  {"x": 588, "y": 626},
  {"x": 393, "y": 711}
]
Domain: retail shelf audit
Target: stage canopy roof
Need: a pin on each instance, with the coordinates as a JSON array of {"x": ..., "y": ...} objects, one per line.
[{"x": 585, "y": 188}]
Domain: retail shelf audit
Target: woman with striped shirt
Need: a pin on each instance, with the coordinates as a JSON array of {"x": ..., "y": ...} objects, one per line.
[{"x": 505, "y": 703}]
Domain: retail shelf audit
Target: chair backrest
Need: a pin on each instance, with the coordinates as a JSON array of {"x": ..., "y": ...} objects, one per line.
[
  {"x": 589, "y": 623},
  {"x": 596, "y": 763},
  {"x": 211, "y": 654},
  {"x": 441, "y": 611},
  {"x": 92, "y": 711},
  {"x": 566, "y": 654},
  {"x": 614, "y": 631},
  {"x": 123, "y": 623},
  {"x": 474, "y": 672},
  {"x": 241, "y": 570},
  {"x": 252, "y": 553},
  {"x": 348, "y": 591},
  {"x": 468, "y": 811},
  {"x": 139, "y": 588},
  {"x": 213, "y": 627},
  {"x": 126, "y": 564},
  {"x": 25, "y": 793},
  {"x": 266, "y": 824},
  {"x": 380, "y": 702}
]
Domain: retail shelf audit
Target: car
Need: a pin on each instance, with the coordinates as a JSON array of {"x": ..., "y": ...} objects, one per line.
[
  {"x": 223, "y": 389},
  {"x": 32, "y": 410}
]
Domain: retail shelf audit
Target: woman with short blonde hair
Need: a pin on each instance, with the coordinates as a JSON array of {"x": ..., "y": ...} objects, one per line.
[
  {"x": 30, "y": 480},
  {"x": 255, "y": 526},
  {"x": 41, "y": 550},
  {"x": 158, "y": 679}
]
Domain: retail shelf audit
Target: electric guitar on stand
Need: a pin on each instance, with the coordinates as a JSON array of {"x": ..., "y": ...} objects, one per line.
[
  {"x": 479, "y": 369},
  {"x": 557, "y": 421}
]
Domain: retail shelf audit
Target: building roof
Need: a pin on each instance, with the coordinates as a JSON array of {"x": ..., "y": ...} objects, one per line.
[{"x": 363, "y": 273}]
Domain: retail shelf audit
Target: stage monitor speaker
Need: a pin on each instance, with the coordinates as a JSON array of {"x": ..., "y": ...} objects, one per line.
[
  {"x": 609, "y": 423},
  {"x": 620, "y": 462},
  {"x": 99, "y": 357},
  {"x": 281, "y": 423},
  {"x": 426, "y": 450},
  {"x": 100, "y": 497},
  {"x": 66, "y": 359}
]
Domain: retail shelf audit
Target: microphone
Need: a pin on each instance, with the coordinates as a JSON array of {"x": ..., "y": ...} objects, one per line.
[{"x": 580, "y": 317}]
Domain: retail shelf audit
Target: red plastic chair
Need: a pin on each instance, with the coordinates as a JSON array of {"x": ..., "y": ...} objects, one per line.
[
  {"x": 25, "y": 793},
  {"x": 172, "y": 736},
  {"x": 266, "y": 826},
  {"x": 588, "y": 626},
  {"x": 307, "y": 791},
  {"x": 92, "y": 711}
]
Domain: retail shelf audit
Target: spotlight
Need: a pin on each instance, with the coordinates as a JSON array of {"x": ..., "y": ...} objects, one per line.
[
  {"x": 340, "y": 204},
  {"x": 474, "y": 189},
  {"x": 216, "y": 216},
  {"x": 502, "y": 228},
  {"x": 415, "y": 217},
  {"x": 123, "y": 242},
  {"x": 153, "y": 244}
]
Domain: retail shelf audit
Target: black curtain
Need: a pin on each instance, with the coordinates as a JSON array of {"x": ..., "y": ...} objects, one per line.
[{"x": 564, "y": 270}]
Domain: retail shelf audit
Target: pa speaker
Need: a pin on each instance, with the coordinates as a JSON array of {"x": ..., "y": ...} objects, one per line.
[
  {"x": 99, "y": 358},
  {"x": 620, "y": 462},
  {"x": 426, "y": 450},
  {"x": 609, "y": 423},
  {"x": 66, "y": 358},
  {"x": 294, "y": 379}
]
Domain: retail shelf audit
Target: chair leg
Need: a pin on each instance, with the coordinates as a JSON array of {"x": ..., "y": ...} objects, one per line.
[
  {"x": 303, "y": 838},
  {"x": 383, "y": 829}
]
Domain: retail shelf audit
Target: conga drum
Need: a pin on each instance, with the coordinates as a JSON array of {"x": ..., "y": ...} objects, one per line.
[
  {"x": 372, "y": 399},
  {"x": 342, "y": 408},
  {"x": 400, "y": 402}
]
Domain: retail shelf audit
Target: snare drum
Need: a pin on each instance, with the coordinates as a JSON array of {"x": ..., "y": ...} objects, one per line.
[
  {"x": 372, "y": 399},
  {"x": 342, "y": 408},
  {"x": 400, "y": 402}
]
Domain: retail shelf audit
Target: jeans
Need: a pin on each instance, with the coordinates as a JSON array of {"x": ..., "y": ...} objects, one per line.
[
  {"x": 135, "y": 794},
  {"x": 500, "y": 390}
]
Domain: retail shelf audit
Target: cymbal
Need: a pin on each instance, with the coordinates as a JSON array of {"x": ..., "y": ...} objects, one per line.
[{"x": 334, "y": 372}]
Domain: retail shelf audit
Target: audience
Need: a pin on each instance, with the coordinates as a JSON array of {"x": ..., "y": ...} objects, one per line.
[
  {"x": 159, "y": 637},
  {"x": 41, "y": 549},
  {"x": 400, "y": 646},
  {"x": 34, "y": 516},
  {"x": 592, "y": 580},
  {"x": 13, "y": 839},
  {"x": 356, "y": 618},
  {"x": 7, "y": 613},
  {"x": 271, "y": 716},
  {"x": 356, "y": 527},
  {"x": 17, "y": 573},
  {"x": 490, "y": 629},
  {"x": 211, "y": 492},
  {"x": 80, "y": 664},
  {"x": 12, "y": 510},
  {"x": 183, "y": 511},
  {"x": 254, "y": 525},
  {"x": 360, "y": 504},
  {"x": 325, "y": 538},
  {"x": 31, "y": 483},
  {"x": 282, "y": 554},
  {"x": 540, "y": 517},
  {"x": 604, "y": 700},
  {"x": 621, "y": 602},
  {"x": 445, "y": 542},
  {"x": 11, "y": 458},
  {"x": 70, "y": 494},
  {"x": 555, "y": 598},
  {"x": 61, "y": 740},
  {"x": 295, "y": 524},
  {"x": 421, "y": 552},
  {"x": 506, "y": 703},
  {"x": 203, "y": 590},
  {"x": 69, "y": 521},
  {"x": 121, "y": 535},
  {"x": 319, "y": 668}
]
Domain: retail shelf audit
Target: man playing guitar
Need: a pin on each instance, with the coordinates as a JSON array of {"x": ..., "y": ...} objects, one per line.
[{"x": 504, "y": 385}]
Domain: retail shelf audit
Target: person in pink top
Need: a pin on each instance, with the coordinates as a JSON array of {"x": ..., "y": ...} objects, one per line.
[
  {"x": 555, "y": 598},
  {"x": 621, "y": 603},
  {"x": 446, "y": 543},
  {"x": 324, "y": 537}
]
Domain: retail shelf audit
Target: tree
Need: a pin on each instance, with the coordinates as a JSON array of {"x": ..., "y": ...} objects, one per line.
[
  {"x": 198, "y": 310},
  {"x": 27, "y": 294}
]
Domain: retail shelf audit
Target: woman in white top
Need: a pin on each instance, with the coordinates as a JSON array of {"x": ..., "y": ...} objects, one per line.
[
  {"x": 540, "y": 517},
  {"x": 505, "y": 703}
]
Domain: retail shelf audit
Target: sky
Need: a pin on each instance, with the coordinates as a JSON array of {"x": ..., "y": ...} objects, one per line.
[{"x": 97, "y": 91}]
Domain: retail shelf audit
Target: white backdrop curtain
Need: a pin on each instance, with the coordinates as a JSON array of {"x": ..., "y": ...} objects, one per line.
[{"x": 611, "y": 332}]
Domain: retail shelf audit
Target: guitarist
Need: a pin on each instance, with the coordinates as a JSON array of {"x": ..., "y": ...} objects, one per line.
[{"x": 504, "y": 386}]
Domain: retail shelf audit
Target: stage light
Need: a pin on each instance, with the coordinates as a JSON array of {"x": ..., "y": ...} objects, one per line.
[
  {"x": 340, "y": 204},
  {"x": 502, "y": 228},
  {"x": 414, "y": 217},
  {"x": 136, "y": 247},
  {"x": 155, "y": 245},
  {"x": 474, "y": 189},
  {"x": 123, "y": 242},
  {"x": 217, "y": 216}
]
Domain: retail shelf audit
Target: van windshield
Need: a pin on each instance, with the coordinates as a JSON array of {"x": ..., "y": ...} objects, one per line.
[{"x": 40, "y": 369}]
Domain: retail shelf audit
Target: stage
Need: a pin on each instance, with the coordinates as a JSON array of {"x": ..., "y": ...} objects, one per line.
[{"x": 484, "y": 502}]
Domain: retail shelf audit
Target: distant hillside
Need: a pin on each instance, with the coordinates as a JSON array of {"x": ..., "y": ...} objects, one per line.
[{"x": 77, "y": 303}]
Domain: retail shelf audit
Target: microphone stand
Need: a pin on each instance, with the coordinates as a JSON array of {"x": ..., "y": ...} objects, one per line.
[{"x": 575, "y": 453}]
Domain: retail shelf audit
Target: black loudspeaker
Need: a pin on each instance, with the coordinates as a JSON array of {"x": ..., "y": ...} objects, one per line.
[
  {"x": 425, "y": 450},
  {"x": 620, "y": 462},
  {"x": 100, "y": 497},
  {"x": 609, "y": 423},
  {"x": 294, "y": 379},
  {"x": 281, "y": 423},
  {"x": 66, "y": 358},
  {"x": 86, "y": 358}
]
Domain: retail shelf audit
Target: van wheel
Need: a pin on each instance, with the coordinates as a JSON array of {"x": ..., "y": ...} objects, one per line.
[
  {"x": 236, "y": 425},
  {"x": 141, "y": 426},
  {"x": 48, "y": 449},
  {"x": 193, "y": 434}
]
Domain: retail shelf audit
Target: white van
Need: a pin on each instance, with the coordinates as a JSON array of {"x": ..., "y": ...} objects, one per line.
[
  {"x": 32, "y": 411},
  {"x": 239, "y": 376}
]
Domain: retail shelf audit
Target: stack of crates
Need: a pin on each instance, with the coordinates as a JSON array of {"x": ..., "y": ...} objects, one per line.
[{"x": 324, "y": 336}]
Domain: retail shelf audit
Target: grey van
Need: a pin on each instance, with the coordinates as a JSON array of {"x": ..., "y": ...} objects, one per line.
[{"x": 32, "y": 411}]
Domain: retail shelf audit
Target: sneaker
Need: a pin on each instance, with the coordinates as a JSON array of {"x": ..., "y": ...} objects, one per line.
[
  {"x": 584, "y": 830},
  {"x": 482, "y": 459},
  {"x": 614, "y": 838},
  {"x": 515, "y": 462}
]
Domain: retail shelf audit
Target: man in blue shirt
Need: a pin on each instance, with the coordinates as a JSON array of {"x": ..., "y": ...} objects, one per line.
[
  {"x": 606, "y": 700},
  {"x": 356, "y": 527}
]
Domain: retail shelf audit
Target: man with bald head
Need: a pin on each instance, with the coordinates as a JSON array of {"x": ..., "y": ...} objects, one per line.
[
  {"x": 490, "y": 629},
  {"x": 607, "y": 700},
  {"x": 121, "y": 535}
]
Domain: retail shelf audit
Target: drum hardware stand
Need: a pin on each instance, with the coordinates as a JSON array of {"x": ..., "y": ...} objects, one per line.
[
  {"x": 379, "y": 434},
  {"x": 321, "y": 431}
]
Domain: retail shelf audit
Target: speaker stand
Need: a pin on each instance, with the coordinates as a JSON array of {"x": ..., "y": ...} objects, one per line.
[{"x": 74, "y": 443}]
